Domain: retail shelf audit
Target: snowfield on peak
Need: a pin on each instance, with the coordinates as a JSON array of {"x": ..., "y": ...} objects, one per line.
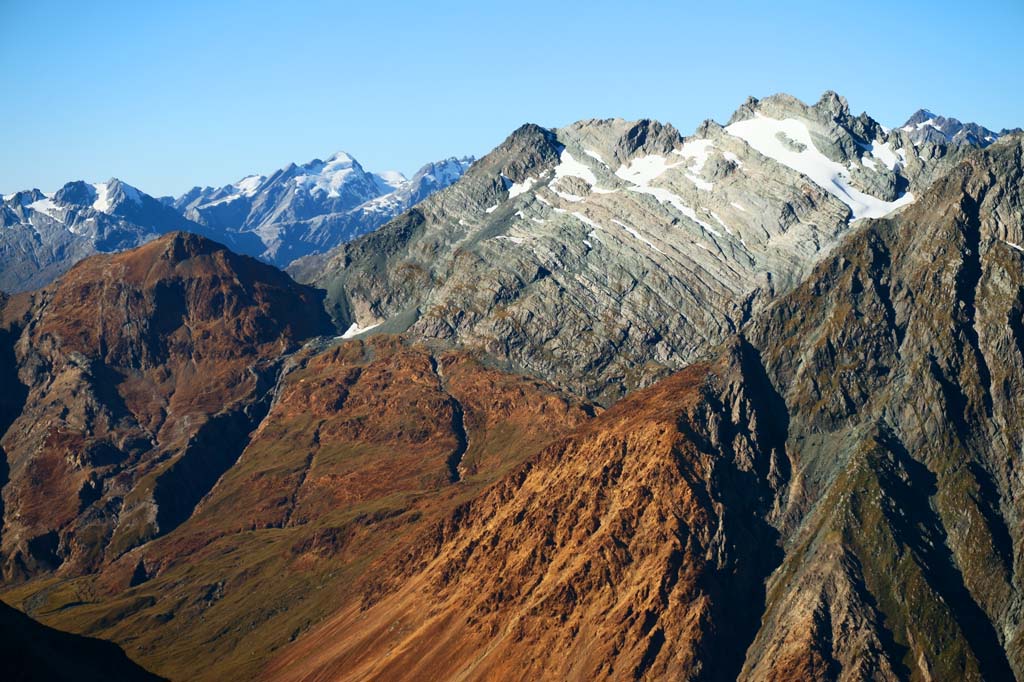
[
  {"x": 570, "y": 167},
  {"x": 789, "y": 142}
]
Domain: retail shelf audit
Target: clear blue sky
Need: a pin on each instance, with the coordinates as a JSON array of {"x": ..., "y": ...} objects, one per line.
[{"x": 166, "y": 95}]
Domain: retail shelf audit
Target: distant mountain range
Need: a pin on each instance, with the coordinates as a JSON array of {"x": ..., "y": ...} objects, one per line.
[
  {"x": 924, "y": 126},
  {"x": 294, "y": 212},
  {"x": 310, "y": 208}
]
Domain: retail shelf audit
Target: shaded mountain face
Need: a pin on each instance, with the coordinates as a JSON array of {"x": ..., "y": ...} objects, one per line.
[
  {"x": 854, "y": 445},
  {"x": 42, "y": 235},
  {"x": 140, "y": 375},
  {"x": 307, "y": 209},
  {"x": 643, "y": 247},
  {"x": 35, "y": 653}
]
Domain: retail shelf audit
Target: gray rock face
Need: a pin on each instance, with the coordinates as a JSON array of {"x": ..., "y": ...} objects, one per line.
[
  {"x": 41, "y": 236},
  {"x": 604, "y": 254},
  {"x": 307, "y": 209}
]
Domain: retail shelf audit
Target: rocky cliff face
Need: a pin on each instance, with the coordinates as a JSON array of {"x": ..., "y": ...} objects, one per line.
[
  {"x": 900, "y": 361},
  {"x": 643, "y": 247}
]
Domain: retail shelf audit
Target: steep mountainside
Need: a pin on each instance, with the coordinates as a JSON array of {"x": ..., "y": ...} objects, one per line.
[
  {"x": 41, "y": 235},
  {"x": 140, "y": 375},
  {"x": 855, "y": 445},
  {"x": 307, "y": 209},
  {"x": 643, "y": 247}
]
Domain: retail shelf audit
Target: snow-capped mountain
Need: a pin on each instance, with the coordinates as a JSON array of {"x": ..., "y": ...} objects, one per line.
[
  {"x": 683, "y": 237},
  {"x": 44, "y": 234},
  {"x": 311, "y": 208},
  {"x": 293, "y": 212},
  {"x": 924, "y": 126}
]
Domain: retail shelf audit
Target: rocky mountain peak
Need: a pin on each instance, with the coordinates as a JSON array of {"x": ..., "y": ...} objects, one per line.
[
  {"x": 646, "y": 137},
  {"x": 833, "y": 105},
  {"x": 526, "y": 150},
  {"x": 24, "y": 197},
  {"x": 177, "y": 247},
  {"x": 76, "y": 192},
  {"x": 920, "y": 116}
]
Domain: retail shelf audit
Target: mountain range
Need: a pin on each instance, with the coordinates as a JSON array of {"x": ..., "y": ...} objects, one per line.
[
  {"x": 610, "y": 403},
  {"x": 297, "y": 211}
]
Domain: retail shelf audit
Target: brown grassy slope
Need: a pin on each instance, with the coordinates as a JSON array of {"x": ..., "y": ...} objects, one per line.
[
  {"x": 628, "y": 548},
  {"x": 351, "y": 462}
]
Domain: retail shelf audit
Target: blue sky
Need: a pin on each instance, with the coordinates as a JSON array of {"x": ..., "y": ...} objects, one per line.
[{"x": 168, "y": 95}]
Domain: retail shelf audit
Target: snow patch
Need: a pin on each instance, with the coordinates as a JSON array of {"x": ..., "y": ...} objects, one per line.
[
  {"x": 47, "y": 207},
  {"x": 763, "y": 134},
  {"x": 586, "y": 221},
  {"x": 636, "y": 234},
  {"x": 250, "y": 184},
  {"x": 355, "y": 330},
  {"x": 720, "y": 222},
  {"x": 102, "y": 202},
  {"x": 594, "y": 155},
  {"x": 884, "y": 153},
  {"x": 517, "y": 188},
  {"x": 570, "y": 167},
  {"x": 644, "y": 169},
  {"x": 392, "y": 179},
  {"x": 698, "y": 150}
]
